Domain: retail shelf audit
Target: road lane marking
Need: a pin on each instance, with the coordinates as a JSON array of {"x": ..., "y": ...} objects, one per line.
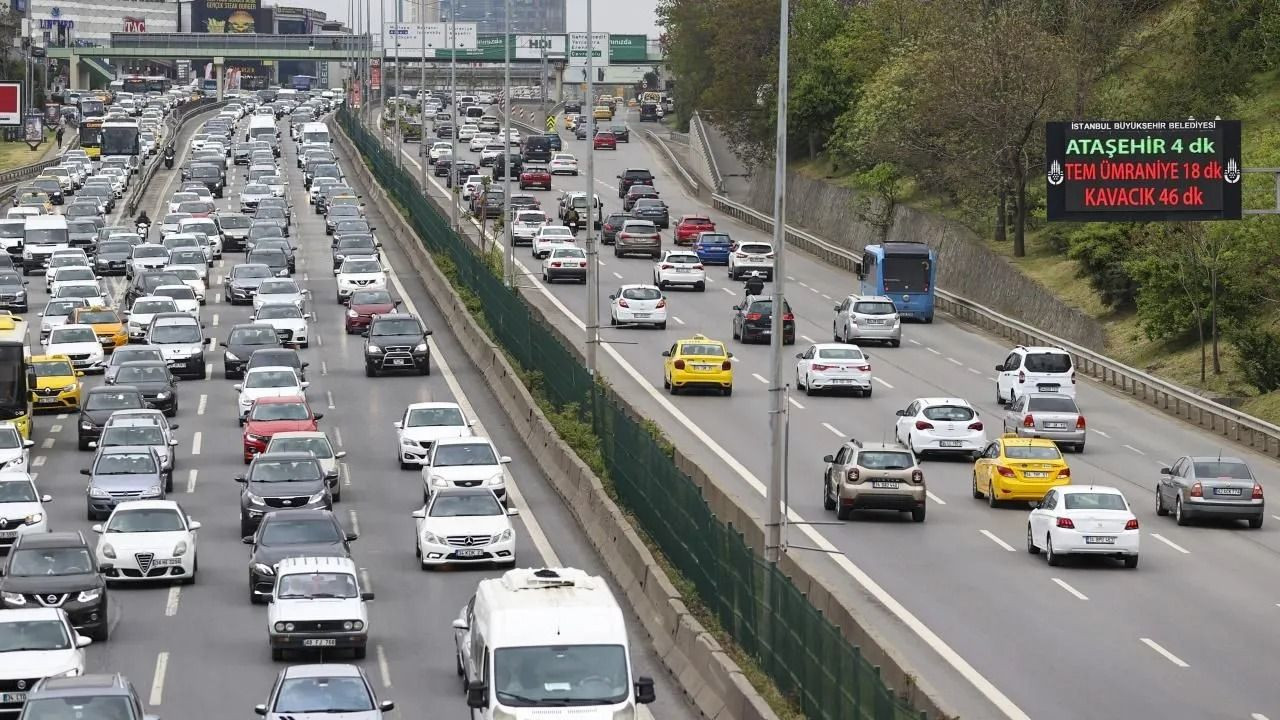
[
  {"x": 320, "y": 339},
  {"x": 934, "y": 498},
  {"x": 1167, "y": 655},
  {"x": 813, "y": 290},
  {"x": 1135, "y": 449},
  {"x": 760, "y": 377},
  {"x": 192, "y": 474},
  {"x": 728, "y": 291},
  {"x": 202, "y": 405},
  {"x": 157, "y": 684},
  {"x": 997, "y": 540},
  {"x": 324, "y": 368},
  {"x": 38, "y": 462},
  {"x": 806, "y": 338},
  {"x": 329, "y": 395},
  {"x": 1103, "y": 434},
  {"x": 48, "y": 443},
  {"x": 355, "y": 521},
  {"x": 827, "y": 297},
  {"x": 171, "y": 605},
  {"x": 935, "y": 352},
  {"x": 803, "y": 285},
  {"x": 214, "y": 320},
  {"x": 1257, "y": 716},
  {"x": 913, "y": 342},
  {"x": 954, "y": 361},
  {"x": 346, "y": 474},
  {"x": 834, "y": 430},
  {"x": 796, "y": 404},
  {"x": 678, "y": 320},
  {"x": 383, "y": 668},
  {"x": 975, "y": 371},
  {"x": 882, "y": 382},
  {"x": 618, "y": 275},
  {"x": 56, "y": 428},
  {"x": 365, "y": 580},
  {"x": 62, "y": 416},
  {"x": 1063, "y": 584},
  {"x": 1171, "y": 543},
  {"x": 196, "y": 440}
]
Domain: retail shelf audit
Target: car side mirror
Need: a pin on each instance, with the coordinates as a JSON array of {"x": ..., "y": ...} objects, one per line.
[
  {"x": 398, "y": 425},
  {"x": 82, "y": 641},
  {"x": 737, "y": 307},
  {"x": 1038, "y": 504},
  {"x": 1166, "y": 471},
  {"x": 305, "y": 384},
  {"x": 28, "y": 443},
  {"x": 385, "y": 705},
  {"x": 97, "y": 528},
  {"x": 477, "y": 696},
  {"x": 46, "y": 498},
  {"x": 666, "y": 353},
  {"x": 799, "y": 356},
  {"x": 505, "y": 459},
  {"x": 222, "y": 343},
  {"x": 644, "y": 690},
  {"x": 364, "y": 333},
  {"x": 513, "y": 512},
  {"x": 352, "y": 536},
  {"x": 1000, "y": 368},
  {"x": 260, "y": 709},
  {"x": 84, "y": 471},
  {"x": 246, "y": 540},
  {"x": 828, "y": 458},
  {"x": 238, "y": 387},
  {"x": 901, "y": 413},
  {"x": 240, "y": 478},
  {"x": 319, "y": 416}
]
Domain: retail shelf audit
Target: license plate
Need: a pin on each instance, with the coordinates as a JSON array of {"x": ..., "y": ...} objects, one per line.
[
  {"x": 13, "y": 697},
  {"x": 469, "y": 552},
  {"x": 319, "y": 642},
  {"x": 885, "y": 484},
  {"x": 46, "y": 401},
  {"x": 684, "y": 270},
  {"x": 641, "y": 315},
  {"x": 875, "y": 322},
  {"x": 949, "y": 443},
  {"x": 1226, "y": 491},
  {"x": 1055, "y": 426},
  {"x": 755, "y": 258},
  {"x": 1048, "y": 388},
  {"x": 1099, "y": 540},
  {"x": 840, "y": 381},
  {"x": 8, "y": 534},
  {"x": 399, "y": 362},
  {"x": 1034, "y": 474},
  {"x": 703, "y": 367},
  {"x": 169, "y": 562}
]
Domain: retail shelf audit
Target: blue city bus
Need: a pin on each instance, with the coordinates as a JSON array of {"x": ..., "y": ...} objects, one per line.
[
  {"x": 906, "y": 272},
  {"x": 302, "y": 83}
]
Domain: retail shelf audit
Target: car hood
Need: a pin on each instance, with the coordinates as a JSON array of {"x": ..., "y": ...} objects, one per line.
[
  {"x": 251, "y": 282},
  {"x": 278, "y": 299},
  {"x": 152, "y": 387},
  {"x": 176, "y": 351},
  {"x": 484, "y": 525},
  {"x": 374, "y": 309},
  {"x": 271, "y": 427},
  {"x": 383, "y": 340},
  {"x": 432, "y": 433},
  {"x": 99, "y": 417},
  {"x": 50, "y": 584},
  {"x": 19, "y": 510},
  {"x": 351, "y": 277},
  {"x": 139, "y": 481},
  {"x": 269, "y": 555},
  {"x": 248, "y": 395},
  {"x": 77, "y": 348},
  {"x": 454, "y": 473},
  {"x": 316, "y": 609},
  {"x": 113, "y": 256},
  {"x": 244, "y": 351},
  {"x": 161, "y": 543},
  {"x": 285, "y": 489},
  {"x": 53, "y": 321},
  {"x": 42, "y": 663}
]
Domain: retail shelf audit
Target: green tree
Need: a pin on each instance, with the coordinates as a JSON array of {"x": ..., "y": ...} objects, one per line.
[
  {"x": 686, "y": 39},
  {"x": 1259, "y": 351}
]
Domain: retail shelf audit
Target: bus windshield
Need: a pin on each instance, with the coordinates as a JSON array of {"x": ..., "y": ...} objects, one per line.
[
  {"x": 92, "y": 108},
  {"x": 909, "y": 274},
  {"x": 14, "y": 399},
  {"x": 120, "y": 140},
  {"x": 90, "y": 134}
]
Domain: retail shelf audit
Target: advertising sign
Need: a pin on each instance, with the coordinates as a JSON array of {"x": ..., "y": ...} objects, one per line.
[
  {"x": 375, "y": 75},
  {"x": 578, "y": 49},
  {"x": 488, "y": 47},
  {"x": 135, "y": 25},
  {"x": 229, "y": 16},
  {"x": 534, "y": 47},
  {"x": 628, "y": 48},
  {"x": 33, "y": 128},
  {"x": 410, "y": 37},
  {"x": 10, "y": 103},
  {"x": 1170, "y": 170}
]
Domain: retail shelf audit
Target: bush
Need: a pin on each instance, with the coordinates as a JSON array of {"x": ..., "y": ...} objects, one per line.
[
  {"x": 1259, "y": 351},
  {"x": 1102, "y": 249}
]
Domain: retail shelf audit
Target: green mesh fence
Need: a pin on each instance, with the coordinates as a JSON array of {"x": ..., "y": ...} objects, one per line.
[{"x": 804, "y": 654}]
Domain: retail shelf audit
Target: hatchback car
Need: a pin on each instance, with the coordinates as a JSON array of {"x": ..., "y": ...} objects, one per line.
[
  {"x": 873, "y": 476},
  {"x": 753, "y": 320},
  {"x": 1047, "y": 415},
  {"x": 638, "y": 305},
  {"x": 1035, "y": 369},
  {"x": 121, "y": 473},
  {"x": 304, "y": 690},
  {"x": 713, "y": 248},
  {"x": 941, "y": 425},
  {"x": 833, "y": 367},
  {"x": 867, "y": 318}
]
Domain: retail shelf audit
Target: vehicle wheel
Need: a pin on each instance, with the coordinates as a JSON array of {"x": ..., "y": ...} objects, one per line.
[
  {"x": 457, "y": 664},
  {"x": 977, "y": 494},
  {"x": 700, "y": 287},
  {"x": 338, "y": 298},
  {"x": 89, "y": 514},
  {"x": 191, "y": 579},
  {"x": 867, "y": 393},
  {"x": 1161, "y": 510},
  {"x": 737, "y": 335},
  {"x": 827, "y": 502},
  {"x": 359, "y": 652},
  {"x": 1051, "y": 557},
  {"x": 666, "y": 384},
  {"x": 1131, "y": 561},
  {"x": 83, "y": 444},
  {"x": 991, "y": 497},
  {"x": 426, "y": 368},
  {"x": 168, "y": 483},
  {"x": 1031, "y": 546},
  {"x": 917, "y": 514},
  {"x": 306, "y": 344},
  {"x": 369, "y": 371},
  {"x": 1080, "y": 448},
  {"x": 1255, "y": 522},
  {"x": 835, "y": 336},
  {"x": 101, "y": 634},
  {"x": 246, "y": 528},
  {"x": 844, "y": 512},
  {"x": 895, "y": 343},
  {"x": 727, "y": 391},
  {"x": 1181, "y": 517},
  {"x": 999, "y": 397},
  {"x": 277, "y": 654},
  {"x": 662, "y": 325}
]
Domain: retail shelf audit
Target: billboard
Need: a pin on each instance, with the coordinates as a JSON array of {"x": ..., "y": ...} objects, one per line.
[
  {"x": 10, "y": 103},
  {"x": 533, "y": 47},
  {"x": 578, "y": 49},
  {"x": 628, "y": 48},
  {"x": 375, "y": 75},
  {"x": 1120, "y": 171},
  {"x": 488, "y": 47},
  {"x": 135, "y": 24},
  {"x": 410, "y": 37},
  {"x": 230, "y": 16}
]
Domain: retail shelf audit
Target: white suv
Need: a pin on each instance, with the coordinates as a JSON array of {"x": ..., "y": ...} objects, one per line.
[
  {"x": 1035, "y": 370},
  {"x": 318, "y": 604},
  {"x": 751, "y": 256}
]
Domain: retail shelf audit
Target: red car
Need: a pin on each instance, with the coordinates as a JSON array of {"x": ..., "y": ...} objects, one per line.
[
  {"x": 364, "y": 304},
  {"x": 605, "y": 141},
  {"x": 689, "y": 227},
  {"x": 270, "y": 415},
  {"x": 535, "y": 176}
]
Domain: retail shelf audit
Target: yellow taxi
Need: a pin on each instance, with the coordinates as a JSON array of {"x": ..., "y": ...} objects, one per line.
[
  {"x": 1013, "y": 468},
  {"x": 698, "y": 362},
  {"x": 602, "y": 112},
  {"x": 106, "y": 324},
  {"x": 57, "y": 383}
]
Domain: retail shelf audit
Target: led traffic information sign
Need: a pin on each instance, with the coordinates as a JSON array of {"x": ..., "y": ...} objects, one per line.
[{"x": 1143, "y": 170}]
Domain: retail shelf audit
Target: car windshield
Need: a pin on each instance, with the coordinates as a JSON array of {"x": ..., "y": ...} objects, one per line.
[
  {"x": 269, "y": 471},
  {"x": 1032, "y": 452},
  {"x": 150, "y": 251},
  {"x": 186, "y": 257},
  {"x": 371, "y": 297},
  {"x": 948, "y": 413},
  {"x": 463, "y": 455},
  {"x": 568, "y": 253},
  {"x": 110, "y": 400},
  {"x": 124, "y": 464},
  {"x": 279, "y": 411},
  {"x": 33, "y": 635},
  {"x": 132, "y": 435},
  {"x": 278, "y": 287},
  {"x": 323, "y": 695},
  {"x": 466, "y": 505},
  {"x": 435, "y": 417},
  {"x": 77, "y": 271},
  {"x": 1051, "y": 404},
  {"x": 886, "y": 460},
  {"x": 361, "y": 266},
  {"x": 557, "y": 232},
  {"x": 252, "y": 336},
  {"x": 60, "y": 308},
  {"x": 402, "y": 326},
  {"x": 257, "y": 189},
  {"x": 352, "y": 226},
  {"x": 72, "y": 335},
  {"x": 299, "y": 532},
  {"x": 177, "y": 293},
  {"x": 129, "y": 354},
  {"x": 1094, "y": 501},
  {"x": 279, "y": 311},
  {"x": 315, "y": 445},
  {"x": 702, "y": 349},
  {"x": 851, "y": 353},
  {"x": 259, "y": 379},
  {"x": 17, "y": 491},
  {"x": 151, "y": 307},
  {"x": 251, "y": 272},
  {"x": 270, "y": 213},
  {"x": 148, "y": 374},
  {"x": 317, "y": 585},
  {"x": 1055, "y": 363},
  {"x": 52, "y": 368},
  {"x": 146, "y": 520},
  {"x": 534, "y": 217},
  {"x": 51, "y": 561},
  {"x": 1222, "y": 469},
  {"x": 233, "y": 221},
  {"x": 87, "y": 706},
  {"x": 196, "y": 206},
  {"x": 80, "y": 291},
  {"x": 561, "y": 675},
  {"x": 688, "y": 260},
  {"x": 642, "y": 293}
]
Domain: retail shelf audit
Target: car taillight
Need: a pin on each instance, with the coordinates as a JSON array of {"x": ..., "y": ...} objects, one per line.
[
  {"x": 555, "y": 264},
  {"x": 623, "y": 303},
  {"x": 1257, "y": 491},
  {"x": 1066, "y": 523},
  {"x": 665, "y": 266},
  {"x": 754, "y": 316},
  {"x": 661, "y": 304},
  {"x": 922, "y": 425},
  {"x": 740, "y": 254},
  {"x": 1131, "y": 525},
  {"x": 770, "y": 255},
  {"x": 1028, "y": 421},
  {"x": 852, "y": 475},
  {"x": 822, "y": 368},
  {"x": 917, "y": 477},
  {"x": 1064, "y": 472},
  {"x": 975, "y": 425},
  {"x": 788, "y": 316},
  {"x": 1197, "y": 490},
  {"x": 864, "y": 368},
  {"x": 679, "y": 364},
  {"x": 726, "y": 365},
  {"x": 1022, "y": 377},
  {"x": 1080, "y": 422},
  {"x": 1006, "y": 472},
  {"x": 698, "y": 267}
]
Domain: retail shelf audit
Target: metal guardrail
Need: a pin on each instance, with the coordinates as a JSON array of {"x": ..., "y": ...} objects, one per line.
[
  {"x": 1174, "y": 400},
  {"x": 691, "y": 184},
  {"x": 696, "y": 128}
]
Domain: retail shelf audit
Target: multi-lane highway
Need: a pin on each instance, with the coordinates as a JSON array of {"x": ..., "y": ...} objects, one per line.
[
  {"x": 201, "y": 651},
  {"x": 1190, "y": 634}
]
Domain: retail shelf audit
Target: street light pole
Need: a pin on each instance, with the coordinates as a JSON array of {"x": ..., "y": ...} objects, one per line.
[
  {"x": 399, "y": 111},
  {"x": 368, "y": 61},
  {"x": 453, "y": 101},
  {"x": 422, "y": 94},
  {"x": 593, "y": 263},
  {"x": 506, "y": 154},
  {"x": 777, "y": 386}
]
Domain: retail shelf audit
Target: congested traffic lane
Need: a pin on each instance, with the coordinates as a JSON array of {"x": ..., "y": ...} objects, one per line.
[
  {"x": 187, "y": 648},
  {"x": 963, "y": 573}
]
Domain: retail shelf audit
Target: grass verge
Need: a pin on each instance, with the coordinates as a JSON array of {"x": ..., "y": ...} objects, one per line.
[{"x": 16, "y": 154}]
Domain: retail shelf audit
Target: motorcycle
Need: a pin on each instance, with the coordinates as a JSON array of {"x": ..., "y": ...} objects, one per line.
[
  {"x": 142, "y": 228},
  {"x": 168, "y": 159}
]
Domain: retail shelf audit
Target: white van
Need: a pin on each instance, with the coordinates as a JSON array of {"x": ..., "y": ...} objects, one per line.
[
  {"x": 552, "y": 639},
  {"x": 41, "y": 236},
  {"x": 263, "y": 127},
  {"x": 314, "y": 133}
]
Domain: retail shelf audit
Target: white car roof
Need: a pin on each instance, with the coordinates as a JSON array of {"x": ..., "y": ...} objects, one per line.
[
  {"x": 470, "y": 440},
  {"x": 1073, "y": 489},
  {"x": 432, "y": 405},
  {"x": 932, "y": 401},
  {"x": 149, "y": 505}
]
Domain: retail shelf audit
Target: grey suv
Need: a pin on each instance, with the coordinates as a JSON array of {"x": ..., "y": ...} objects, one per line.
[
  {"x": 873, "y": 476},
  {"x": 87, "y": 696},
  {"x": 638, "y": 236},
  {"x": 281, "y": 481},
  {"x": 861, "y": 318}
]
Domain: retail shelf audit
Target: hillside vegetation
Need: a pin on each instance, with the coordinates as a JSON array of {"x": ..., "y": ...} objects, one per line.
[{"x": 942, "y": 105}]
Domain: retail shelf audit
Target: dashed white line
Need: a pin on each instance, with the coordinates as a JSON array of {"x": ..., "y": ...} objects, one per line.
[
  {"x": 882, "y": 382},
  {"x": 384, "y": 669},
  {"x": 678, "y": 320},
  {"x": 975, "y": 371},
  {"x": 997, "y": 540},
  {"x": 913, "y": 342},
  {"x": 202, "y": 405},
  {"x": 806, "y": 338},
  {"x": 935, "y": 498},
  {"x": 1103, "y": 434},
  {"x": 346, "y": 474},
  {"x": 55, "y": 428},
  {"x": 320, "y": 339},
  {"x": 324, "y": 368},
  {"x": 797, "y": 405},
  {"x": 329, "y": 394},
  {"x": 337, "y": 435},
  {"x": 760, "y": 378},
  {"x": 804, "y": 285},
  {"x": 157, "y": 683},
  {"x": 727, "y": 290},
  {"x": 954, "y": 361},
  {"x": 834, "y": 430},
  {"x": 827, "y": 297},
  {"x": 935, "y": 352},
  {"x": 1063, "y": 584},
  {"x": 62, "y": 416},
  {"x": 48, "y": 443},
  {"x": 217, "y": 297},
  {"x": 813, "y": 290},
  {"x": 171, "y": 605},
  {"x": 1257, "y": 716},
  {"x": 618, "y": 275},
  {"x": 192, "y": 475},
  {"x": 1171, "y": 543},
  {"x": 214, "y": 320},
  {"x": 1135, "y": 449},
  {"x": 1165, "y": 653},
  {"x": 196, "y": 441},
  {"x": 365, "y": 581},
  {"x": 38, "y": 462},
  {"x": 355, "y": 521}
]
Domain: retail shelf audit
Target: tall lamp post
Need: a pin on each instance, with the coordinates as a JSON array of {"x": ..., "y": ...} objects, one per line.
[
  {"x": 593, "y": 263},
  {"x": 506, "y": 152},
  {"x": 777, "y": 386}
]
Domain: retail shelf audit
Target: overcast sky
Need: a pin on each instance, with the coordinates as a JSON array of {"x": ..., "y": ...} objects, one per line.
[{"x": 632, "y": 17}]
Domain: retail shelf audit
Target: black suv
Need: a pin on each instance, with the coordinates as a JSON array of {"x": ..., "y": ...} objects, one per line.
[
  {"x": 396, "y": 342},
  {"x": 753, "y": 320},
  {"x": 145, "y": 282},
  {"x": 97, "y": 406},
  {"x": 572, "y": 106},
  {"x": 91, "y": 696},
  {"x": 633, "y": 176},
  {"x": 500, "y": 165},
  {"x": 241, "y": 342},
  {"x": 57, "y": 569},
  {"x": 281, "y": 481},
  {"x": 209, "y": 174},
  {"x": 293, "y": 533}
]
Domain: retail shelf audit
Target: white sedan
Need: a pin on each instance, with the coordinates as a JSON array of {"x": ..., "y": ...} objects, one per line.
[
  {"x": 68, "y": 273},
  {"x": 360, "y": 273},
  {"x": 148, "y": 540},
  {"x": 680, "y": 267},
  {"x": 473, "y": 185},
  {"x": 268, "y": 381},
  {"x": 473, "y": 512},
  {"x": 23, "y": 505},
  {"x": 14, "y": 449},
  {"x": 182, "y": 295},
  {"x": 193, "y": 277},
  {"x": 77, "y": 342},
  {"x": 478, "y": 142},
  {"x": 1084, "y": 520},
  {"x": 565, "y": 262},
  {"x": 833, "y": 366},
  {"x": 467, "y": 132},
  {"x": 526, "y": 225},
  {"x": 438, "y": 149},
  {"x": 288, "y": 320},
  {"x": 280, "y": 291},
  {"x": 549, "y": 237},
  {"x": 940, "y": 425},
  {"x": 638, "y": 305},
  {"x": 425, "y": 423},
  {"x": 563, "y": 164}
]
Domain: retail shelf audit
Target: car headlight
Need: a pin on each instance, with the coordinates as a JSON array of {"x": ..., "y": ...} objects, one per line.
[
  {"x": 430, "y": 538},
  {"x": 162, "y": 395},
  {"x": 280, "y": 627},
  {"x": 437, "y": 481},
  {"x": 495, "y": 481},
  {"x": 255, "y": 499},
  {"x": 506, "y": 535},
  {"x": 348, "y": 625},
  {"x": 373, "y": 349},
  {"x": 34, "y": 519},
  {"x": 318, "y": 497},
  {"x": 153, "y": 491},
  {"x": 67, "y": 388},
  {"x": 230, "y": 357},
  {"x": 180, "y": 549},
  {"x": 98, "y": 493},
  {"x": 86, "y": 425},
  {"x": 420, "y": 347},
  {"x": 21, "y": 293},
  {"x": 352, "y": 314},
  {"x": 13, "y": 598},
  {"x": 108, "y": 551},
  {"x": 88, "y": 596},
  {"x": 263, "y": 569}
]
